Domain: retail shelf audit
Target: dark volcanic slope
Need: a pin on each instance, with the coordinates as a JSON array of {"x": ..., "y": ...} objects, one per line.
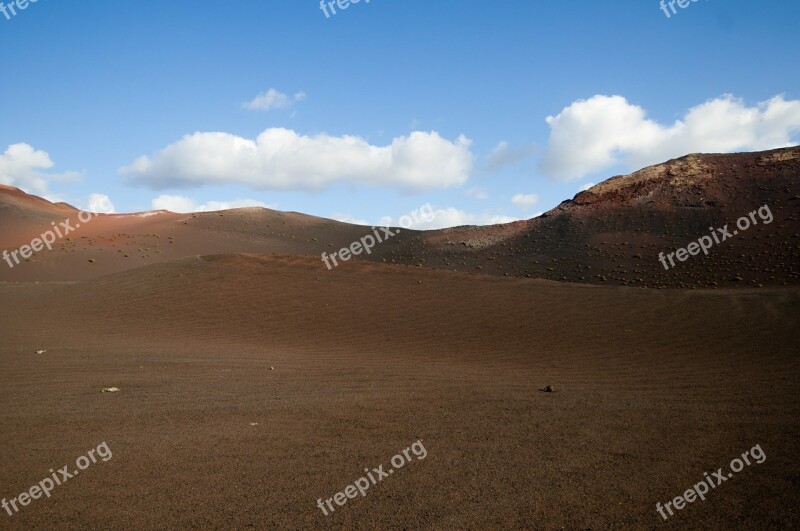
[{"x": 614, "y": 232}]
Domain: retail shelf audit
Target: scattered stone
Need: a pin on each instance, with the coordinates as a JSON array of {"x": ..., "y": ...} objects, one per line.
[
  {"x": 547, "y": 389},
  {"x": 272, "y": 368},
  {"x": 41, "y": 351},
  {"x": 109, "y": 389}
]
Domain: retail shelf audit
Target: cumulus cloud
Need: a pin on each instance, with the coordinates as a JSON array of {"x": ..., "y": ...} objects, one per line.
[
  {"x": 525, "y": 201},
  {"x": 504, "y": 155},
  {"x": 282, "y": 159},
  {"x": 100, "y": 203},
  {"x": 603, "y": 131},
  {"x": 428, "y": 217},
  {"x": 182, "y": 204},
  {"x": 21, "y": 166},
  {"x": 273, "y": 99}
]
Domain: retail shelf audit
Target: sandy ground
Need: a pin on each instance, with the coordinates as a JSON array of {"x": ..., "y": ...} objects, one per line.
[{"x": 652, "y": 389}]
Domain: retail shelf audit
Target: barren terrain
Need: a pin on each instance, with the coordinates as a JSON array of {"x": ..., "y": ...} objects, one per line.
[{"x": 254, "y": 381}]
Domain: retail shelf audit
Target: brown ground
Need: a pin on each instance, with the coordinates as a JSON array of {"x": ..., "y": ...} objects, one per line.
[
  {"x": 187, "y": 313},
  {"x": 653, "y": 388}
]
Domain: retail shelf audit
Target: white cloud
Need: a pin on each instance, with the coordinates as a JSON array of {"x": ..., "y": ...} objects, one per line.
[
  {"x": 53, "y": 198},
  {"x": 181, "y": 204},
  {"x": 603, "y": 131},
  {"x": 21, "y": 166},
  {"x": 100, "y": 203},
  {"x": 587, "y": 186},
  {"x": 273, "y": 99},
  {"x": 429, "y": 217},
  {"x": 525, "y": 201},
  {"x": 173, "y": 203},
  {"x": 285, "y": 160},
  {"x": 504, "y": 155}
]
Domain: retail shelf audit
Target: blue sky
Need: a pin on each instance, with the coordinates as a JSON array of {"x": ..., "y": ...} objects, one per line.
[{"x": 386, "y": 106}]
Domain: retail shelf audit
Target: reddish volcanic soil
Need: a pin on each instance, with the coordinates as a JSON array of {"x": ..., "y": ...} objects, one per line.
[
  {"x": 254, "y": 381},
  {"x": 653, "y": 388}
]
